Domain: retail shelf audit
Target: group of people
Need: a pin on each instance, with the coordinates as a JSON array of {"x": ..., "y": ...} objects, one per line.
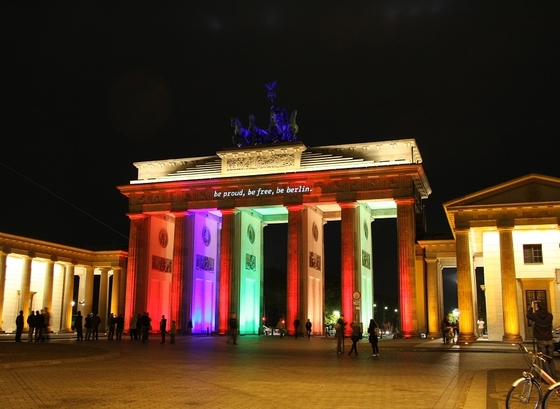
[
  {"x": 38, "y": 323},
  {"x": 357, "y": 330}
]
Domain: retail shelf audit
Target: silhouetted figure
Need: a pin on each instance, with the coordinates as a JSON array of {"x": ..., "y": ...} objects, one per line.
[
  {"x": 542, "y": 331},
  {"x": 19, "y": 326},
  {"x": 95, "y": 322},
  {"x": 78, "y": 326},
  {"x": 120, "y": 326},
  {"x": 356, "y": 332},
  {"x": 163, "y": 328},
  {"x": 112, "y": 325},
  {"x": 189, "y": 327},
  {"x": 308, "y": 326},
  {"x": 373, "y": 329},
  {"x": 39, "y": 326},
  {"x": 87, "y": 326},
  {"x": 47, "y": 325},
  {"x": 31, "y": 324},
  {"x": 233, "y": 328},
  {"x": 296, "y": 327},
  {"x": 339, "y": 327},
  {"x": 133, "y": 331}
]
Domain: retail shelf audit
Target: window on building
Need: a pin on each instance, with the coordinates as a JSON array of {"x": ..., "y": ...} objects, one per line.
[{"x": 532, "y": 253}]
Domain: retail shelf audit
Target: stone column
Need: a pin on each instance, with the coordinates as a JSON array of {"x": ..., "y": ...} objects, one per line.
[
  {"x": 3, "y": 265},
  {"x": 103, "y": 292},
  {"x": 88, "y": 301},
  {"x": 226, "y": 269},
  {"x": 48, "y": 284},
  {"x": 433, "y": 273},
  {"x": 179, "y": 260},
  {"x": 115, "y": 291},
  {"x": 406, "y": 238},
  {"x": 465, "y": 286},
  {"x": 349, "y": 229},
  {"x": 509, "y": 286},
  {"x": 136, "y": 276},
  {"x": 294, "y": 266},
  {"x": 67, "y": 293},
  {"x": 25, "y": 285}
]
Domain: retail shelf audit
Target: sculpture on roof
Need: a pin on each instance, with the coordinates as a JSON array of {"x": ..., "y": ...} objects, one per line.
[{"x": 282, "y": 127}]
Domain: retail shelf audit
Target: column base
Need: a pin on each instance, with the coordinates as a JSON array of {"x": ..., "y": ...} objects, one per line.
[
  {"x": 513, "y": 338},
  {"x": 467, "y": 337},
  {"x": 64, "y": 331}
]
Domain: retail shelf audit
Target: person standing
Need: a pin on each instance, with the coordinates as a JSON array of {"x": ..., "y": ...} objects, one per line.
[
  {"x": 112, "y": 324},
  {"x": 87, "y": 325},
  {"x": 356, "y": 332},
  {"x": 95, "y": 322},
  {"x": 132, "y": 331},
  {"x": 19, "y": 326},
  {"x": 47, "y": 325},
  {"x": 173, "y": 331},
  {"x": 39, "y": 325},
  {"x": 233, "y": 328},
  {"x": 373, "y": 330},
  {"x": 189, "y": 327},
  {"x": 78, "y": 326},
  {"x": 339, "y": 327},
  {"x": 308, "y": 326},
  {"x": 542, "y": 332},
  {"x": 296, "y": 327},
  {"x": 31, "y": 323},
  {"x": 163, "y": 328},
  {"x": 120, "y": 326},
  {"x": 480, "y": 324}
]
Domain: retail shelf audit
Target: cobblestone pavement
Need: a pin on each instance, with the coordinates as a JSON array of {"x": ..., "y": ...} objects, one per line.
[{"x": 266, "y": 372}]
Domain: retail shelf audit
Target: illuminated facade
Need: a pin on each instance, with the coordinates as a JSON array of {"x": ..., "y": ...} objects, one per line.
[
  {"x": 511, "y": 232},
  {"x": 196, "y": 236},
  {"x": 36, "y": 274}
]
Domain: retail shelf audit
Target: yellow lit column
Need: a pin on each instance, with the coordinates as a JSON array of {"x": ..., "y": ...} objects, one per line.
[
  {"x": 115, "y": 291},
  {"x": 433, "y": 273},
  {"x": 25, "y": 285},
  {"x": 67, "y": 293},
  {"x": 88, "y": 301},
  {"x": 3, "y": 264},
  {"x": 406, "y": 238},
  {"x": 464, "y": 286},
  {"x": 103, "y": 290},
  {"x": 509, "y": 286},
  {"x": 48, "y": 284}
]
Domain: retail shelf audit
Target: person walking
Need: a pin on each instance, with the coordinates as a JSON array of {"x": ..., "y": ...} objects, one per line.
[
  {"x": 78, "y": 326},
  {"x": 339, "y": 327},
  {"x": 480, "y": 324},
  {"x": 31, "y": 324},
  {"x": 19, "y": 326},
  {"x": 356, "y": 332},
  {"x": 542, "y": 332},
  {"x": 163, "y": 328},
  {"x": 233, "y": 328},
  {"x": 308, "y": 326},
  {"x": 373, "y": 331}
]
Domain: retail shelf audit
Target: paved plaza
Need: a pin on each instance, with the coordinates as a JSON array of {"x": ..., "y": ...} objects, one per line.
[{"x": 268, "y": 372}]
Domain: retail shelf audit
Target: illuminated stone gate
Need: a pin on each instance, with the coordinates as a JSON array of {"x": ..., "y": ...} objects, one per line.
[{"x": 196, "y": 236}]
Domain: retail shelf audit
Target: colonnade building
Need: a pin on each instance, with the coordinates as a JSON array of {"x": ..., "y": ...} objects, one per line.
[{"x": 36, "y": 275}]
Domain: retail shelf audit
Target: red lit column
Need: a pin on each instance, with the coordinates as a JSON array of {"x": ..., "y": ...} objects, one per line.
[
  {"x": 226, "y": 269},
  {"x": 179, "y": 259},
  {"x": 464, "y": 286},
  {"x": 67, "y": 293},
  {"x": 294, "y": 266},
  {"x": 509, "y": 286},
  {"x": 136, "y": 276},
  {"x": 349, "y": 229},
  {"x": 406, "y": 238},
  {"x": 3, "y": 263}
]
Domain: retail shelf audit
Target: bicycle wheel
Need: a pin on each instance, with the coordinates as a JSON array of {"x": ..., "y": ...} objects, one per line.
[
  {"x": 552, "y": 398},
  {"x": 525, "y": 393}
]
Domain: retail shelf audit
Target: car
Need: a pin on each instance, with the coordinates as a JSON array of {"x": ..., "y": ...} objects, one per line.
[{"x": 270, "y": 330}]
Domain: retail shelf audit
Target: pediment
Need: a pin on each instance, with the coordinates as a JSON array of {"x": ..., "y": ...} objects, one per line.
[{"x": 532, "y": 188}]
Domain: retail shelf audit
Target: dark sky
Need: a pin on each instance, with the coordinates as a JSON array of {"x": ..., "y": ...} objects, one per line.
[{"x": 89, "y": 88}]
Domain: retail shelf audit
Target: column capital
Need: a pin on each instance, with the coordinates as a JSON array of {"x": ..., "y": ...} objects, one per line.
[
  {"x": 136, "y": 216},
  {"x": 405, "y": 200},
  {"x": 294, "y": 207},
  {"x": 348, "y": 205}
]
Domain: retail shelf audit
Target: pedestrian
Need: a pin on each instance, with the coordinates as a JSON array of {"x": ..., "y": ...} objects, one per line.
[
  {"x": 146, "y": 325},
  {"x": 163, "y": 328},
  {"x": 189, "y": 327},
  {"x": 87, "y": 326},
  {"x": 19, "y": 326},
  {"x": 31, "y": 324},
  {"x": 47, "y": 324},
  {"x": 356, "y": 333},
  {"x": 39, "y": 326},
  {"x": 120, "y": 326},
  {"x": 296, "y": 327},
  {"x": 542, "y": 332},
  {"x": 78, "y": 326},
  {"x": 95, "y": 322},
  {"x": 139, "y": 326},
  {"x": 112, "y": 325},
  {"x": 340, "y": 327},
  {"x": 233, "y": 328},
  {"x": 444, "y": 327},
  {"x": 480, "y": 324},
  {"x": 173, "y": 331},
  {"x": 281, "y": 326},
  {"x": 308, "y": 326},
  {"x": 132, "y": 331},
  {"x": 373, "y": 331}
]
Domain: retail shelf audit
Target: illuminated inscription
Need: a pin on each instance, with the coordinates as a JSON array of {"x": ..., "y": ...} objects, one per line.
[
  {"x": 161, "y": 264},
  {"x": 269, "y": 191}
]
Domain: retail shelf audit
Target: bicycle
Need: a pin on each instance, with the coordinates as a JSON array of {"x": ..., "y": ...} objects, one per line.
[{"x": 526, "y": 391}]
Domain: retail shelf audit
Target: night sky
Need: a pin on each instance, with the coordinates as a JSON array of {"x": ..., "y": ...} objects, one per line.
[{"x": 89, "y": 88}]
